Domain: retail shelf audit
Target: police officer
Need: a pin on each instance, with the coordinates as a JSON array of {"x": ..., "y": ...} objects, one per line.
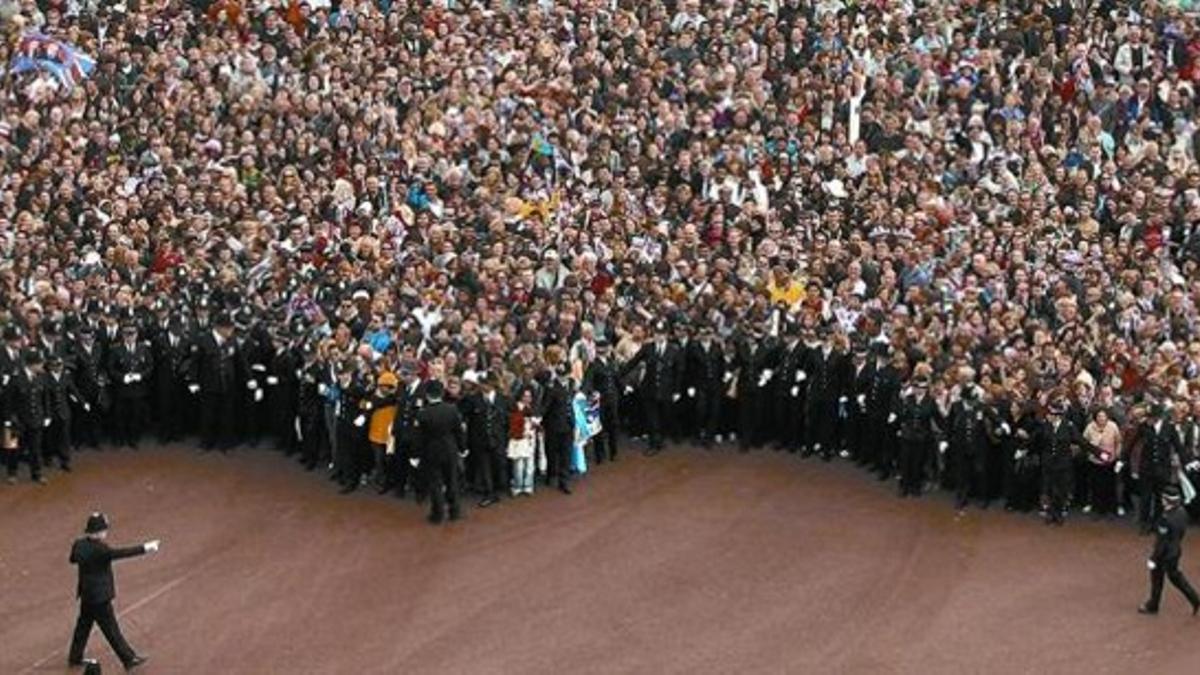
[
  {"x": 858, "y": 385},
  {"x": 348, "y": 467},
  {"x": 706, "y": 366},
  {"x": 1161, "y": 444},
  {"x": 601, "y": 379},
  {"x": 213, "y": 379},
  {"x": 130, "y": 366},
  {"x": 439, "y": 445},
  {"x": 1059, "y": 440},
  {"x": 60, "y": 391},
  {"x": 410, "y": 401},
  {"x": 91, "y": 383},
  {"x": 788, "y": 402},
  {"x": 282, "y": 384},
  {"x": 27, "y": 415},
  {"x": 171, "y": 399},
  {"x": 486, "y": 413},
  {"x": 309, "y": 422},
  {"x": 1168, "y": 549},
  {"x": 659, "y": 386},
  {"x": 917, "y": 418},
  {"x": 826, "y": 370},
  {"x": 881, "y": 396},
  {"x": 96, "y": 591},
  {"x": 756, "y": 374},
  {"x": 968, "y": 444}
]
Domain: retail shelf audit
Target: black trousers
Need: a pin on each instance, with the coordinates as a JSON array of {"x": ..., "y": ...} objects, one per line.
[
  {"x": 85, "y": 425},
  {"x": 170, "y": 412},
  {"x": 881, "y": 444},
  {"x": 1169, "y": 569},
  {"x": 56, "y": 443},
  {"x": 1150, "y": 508},
  {"x": 969, "y": 473},
  {"x": 558, "y": 456},
  {"x": 1102, "y": 488},
  {"x": 822, "y": 425},
  {"x": 1057, "y": 488},
  {"x": 490, "y": 467},
  {"x": 443, "y": 480},
  {"x": 130, "y": 416},
  {"x": 605, "y": 442},
  {"x": 750, "y": 429},
  {"x": 217, "y": 420},
  {"x": 30, "y": 450},
  {"x": 101, "y": 614},
  {"x": 913, "y": 455},
  {"x": 657, "y": 413}
]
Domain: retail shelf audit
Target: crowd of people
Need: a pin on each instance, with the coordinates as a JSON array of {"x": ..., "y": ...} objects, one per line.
[{"x": 956, "y": 242}]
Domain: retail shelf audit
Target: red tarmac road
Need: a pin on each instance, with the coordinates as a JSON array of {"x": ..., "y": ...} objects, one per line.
[{"x": 690, "y": 562}]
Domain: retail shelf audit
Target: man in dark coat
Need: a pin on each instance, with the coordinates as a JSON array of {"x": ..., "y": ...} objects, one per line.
[
  {"x": 918, "y": 420},
  {"x": 790, "y": 390},
  {"x": 1058, "y": 440},
  {"x": 91, "y": 382},
  {"x": 1168, "y": 549},
  {"x": 96, "y": 590},
  {"x": 171, "y": 350},
  {"x": 60, "y": 391},
  {"x": 130, "y": 366},
  {"x": 486, "y": 412},
  {"x": 756, "y": 376},
  {"x": 1161, "y": 444},
  {"x": 881, "y": 395},
  {"x": 968, "y": 444},
  {"x": 558, "y": 425},
  {"x": 660, "y": 383},
  {"x": 27, "y": 415},
  {"x": 826, "y": 372},
  {"x": 214, "y": 378},
  {"x": 601, "y": 379},
  {"x": 440, "y": 444},
  {"x": 859, "y": 377}
]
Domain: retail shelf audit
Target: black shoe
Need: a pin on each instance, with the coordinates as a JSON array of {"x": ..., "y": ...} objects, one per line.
[
  {"x": 1147, "y": 609},
  {"x": 348, "y": 488},
  {"x": 435, "y": 518},
  {"x": 40, "y": 480},
  {"x": 487, "y": 501},
  {"x": 564, "y": 488},
  {"x": 135, "y": 662},
  {"x": 455, "y": 515}
]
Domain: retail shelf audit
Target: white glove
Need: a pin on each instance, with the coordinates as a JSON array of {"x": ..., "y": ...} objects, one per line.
[
  {"x": 1118, "y": 466},
  {"x": 767, "y": 375},
  {"x": 1019, "y": 454},
  {"x": 464, "y": 454},
  {"x": 46, "y": 422},
  {"x": 321, "y": 389},
  {"x": 862, "y": 400},
  {"x": 367, "y": 405},
  {"x": 628, "y": 389},
  {"x": 4, "y": 381},
  {"x": 258, "y": 368},
  {"x": 87, "y": 407},
  {"x": 391, "y": 446},
  {"x": 1150, "y": 565},
  {"x": 272, "y": 380},
  {"x": 194, "y": 388},
  {"x": 136, "y": 377},
  {"x": 128, "y": 378},
  {"x": 675, "y": 398},
  {"x": 7, "y": 424},
  {"x": 414, "y": 462},
  {"x": 252, "y": 385},
  {"x": 258, "y": 395},
  {"x": 891, "y": 418},
  {"x": 1193, "y": 465},
  {"x": 691, "y": 392},
  {"x": 801, "y": 376},
  {"x": 942, "y": 446},
  {"x": 151, "y": 546},
  {"x": 360, "y": 420},
  {"x": 1005, "y": 429},
  {"x": 728, "y": 377},
  {"x": 795, "y": 392}
]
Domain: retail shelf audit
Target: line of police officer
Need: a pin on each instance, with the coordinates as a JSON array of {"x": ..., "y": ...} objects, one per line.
[{"x": 239, "y": 378}]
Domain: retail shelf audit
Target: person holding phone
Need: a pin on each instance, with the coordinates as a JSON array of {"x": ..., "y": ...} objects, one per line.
[{"x": 96, "y": 590}]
